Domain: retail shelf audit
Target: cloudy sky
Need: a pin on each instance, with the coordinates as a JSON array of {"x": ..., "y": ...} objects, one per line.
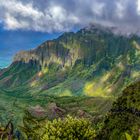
[{"x": 26, "y": 23}]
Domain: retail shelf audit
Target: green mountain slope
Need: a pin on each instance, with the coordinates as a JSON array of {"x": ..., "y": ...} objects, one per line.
[
  {"x": 92, "y": 61},
  {"x": 124, "y": 116}
]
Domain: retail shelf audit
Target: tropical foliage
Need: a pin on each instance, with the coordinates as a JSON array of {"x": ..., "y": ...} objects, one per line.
[{"x": 68, "y": 128}]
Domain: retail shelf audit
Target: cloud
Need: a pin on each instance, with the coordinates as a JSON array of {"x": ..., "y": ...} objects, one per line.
[
  {"x": 138, "y": 7},
  {"x": 64, "y": 15}
]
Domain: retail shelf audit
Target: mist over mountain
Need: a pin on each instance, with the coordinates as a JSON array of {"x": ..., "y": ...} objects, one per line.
[
  {"x": 100, "y": 60},
  {"x": 78, "y": 73},
  {"x": 70, "y": 69}
]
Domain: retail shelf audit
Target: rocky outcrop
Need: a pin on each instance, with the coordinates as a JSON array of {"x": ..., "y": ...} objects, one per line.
[
  {"x": 37, "y": 111},
  {"x": 48, "y": 53},
  {"x": 53, "y": 111}
]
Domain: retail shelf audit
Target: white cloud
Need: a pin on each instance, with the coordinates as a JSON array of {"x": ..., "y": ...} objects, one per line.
[
  {"x": 98, "y": 8},
  {"x": 15, "y": 7},
  {"x": 11, "y": 23},
  {"x": 63, "y": 15},
  {"x": 138, "y": 8},
  {"x": 17, "y": 15},
  {"x": 120, "y": 9}
]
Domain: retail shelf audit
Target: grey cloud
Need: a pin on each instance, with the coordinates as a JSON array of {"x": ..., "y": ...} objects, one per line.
[{"x": 63, "y": 15}]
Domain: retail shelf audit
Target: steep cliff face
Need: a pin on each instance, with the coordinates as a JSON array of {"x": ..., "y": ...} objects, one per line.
[
  {"x": 54, "y": 51},
  {"x": 92, "y": 61},
  {"x": 47, "y": 53},
  {"x": 89, "y": 46}
]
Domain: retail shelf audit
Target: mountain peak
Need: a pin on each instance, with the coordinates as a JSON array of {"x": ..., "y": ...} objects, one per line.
[
  {"x": 95, "y": 27},
  {"x": 109, "y": 29}
]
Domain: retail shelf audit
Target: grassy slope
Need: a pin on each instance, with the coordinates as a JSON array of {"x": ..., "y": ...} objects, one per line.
[
  {"x": 108, "y": 68},
  {"x": 13, "y": 104},
  {"x": 75, "y": 82}
]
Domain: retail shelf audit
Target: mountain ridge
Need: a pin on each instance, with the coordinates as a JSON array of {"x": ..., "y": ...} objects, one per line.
[{"x": 98, "y": 59}]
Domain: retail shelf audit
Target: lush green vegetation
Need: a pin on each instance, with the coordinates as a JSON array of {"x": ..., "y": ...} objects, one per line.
[
  {"x": 90, "y": 108},
  {"x": 124, "y": 115},
  {"x": 91, "y": 62},
  {"x": 59, "y": 129},
  {"x": 14, "y": 103},
  {"x": 79, "y": 74}
]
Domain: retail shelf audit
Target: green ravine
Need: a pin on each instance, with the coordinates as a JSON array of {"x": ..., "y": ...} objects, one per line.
[{"x": 82, "y": 72}]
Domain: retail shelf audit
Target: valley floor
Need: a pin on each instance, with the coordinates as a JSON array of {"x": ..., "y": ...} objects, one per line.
[{"x": 13, "y": 105}]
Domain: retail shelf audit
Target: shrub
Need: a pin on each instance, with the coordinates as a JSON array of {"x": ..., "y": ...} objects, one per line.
[{"x": 69, "y": 129}]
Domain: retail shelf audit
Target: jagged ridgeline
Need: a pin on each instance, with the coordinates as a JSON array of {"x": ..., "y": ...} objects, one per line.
[{"x": 93, "y": 61}]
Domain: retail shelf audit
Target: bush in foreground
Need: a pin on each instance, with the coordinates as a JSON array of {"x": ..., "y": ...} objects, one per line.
[{"x": 68, "y": 128}]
